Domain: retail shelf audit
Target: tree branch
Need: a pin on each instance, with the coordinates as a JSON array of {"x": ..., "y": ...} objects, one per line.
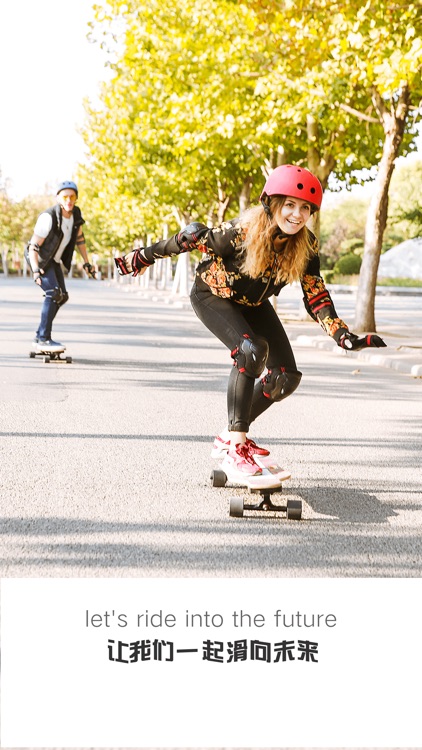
[
  {"x": 379, "y": 104},
  {"x": 360, "y": 115},
  {"x": 403, "y": 103}
]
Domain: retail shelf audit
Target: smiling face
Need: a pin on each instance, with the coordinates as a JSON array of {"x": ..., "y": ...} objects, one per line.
[{"x": 293, "y": 215}]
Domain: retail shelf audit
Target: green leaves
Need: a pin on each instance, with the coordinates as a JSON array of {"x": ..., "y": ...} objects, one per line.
[{"x": 207, "y": 96}]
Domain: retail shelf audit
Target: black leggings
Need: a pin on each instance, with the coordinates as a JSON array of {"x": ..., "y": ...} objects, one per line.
[{"x": 229, "y": 322}]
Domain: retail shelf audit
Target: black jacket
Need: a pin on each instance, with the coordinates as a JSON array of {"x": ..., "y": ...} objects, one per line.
[
  {"x": 218, "y": 270},
  {"x": 52, "y": 242}
]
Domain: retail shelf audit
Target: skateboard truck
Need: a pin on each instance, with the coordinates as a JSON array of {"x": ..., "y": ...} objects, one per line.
[
  {"x": 292, "y": 508},
  {"x": 50, "y": 356}
]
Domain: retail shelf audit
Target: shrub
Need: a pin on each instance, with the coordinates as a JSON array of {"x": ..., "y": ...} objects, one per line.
[
  {"x": 348, "y": 264},
  {"x": 327, "y": 275}
]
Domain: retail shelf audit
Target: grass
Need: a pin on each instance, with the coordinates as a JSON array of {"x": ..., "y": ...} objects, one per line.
[
  {"x": 336, "y": 278},
  {"x": 399, "y": 282}
]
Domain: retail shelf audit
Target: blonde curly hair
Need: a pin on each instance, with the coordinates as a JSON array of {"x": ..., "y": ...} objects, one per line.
[{"x": 257, "y": 252}]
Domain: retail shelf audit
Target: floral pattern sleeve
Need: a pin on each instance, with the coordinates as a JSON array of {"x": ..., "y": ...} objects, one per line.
[{"x": 318, "y": 301}]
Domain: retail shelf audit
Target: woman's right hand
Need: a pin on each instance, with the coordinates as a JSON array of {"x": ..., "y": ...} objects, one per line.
[
  {"x": 127, "y": 260},
  {"x": 125, "y": 264}
]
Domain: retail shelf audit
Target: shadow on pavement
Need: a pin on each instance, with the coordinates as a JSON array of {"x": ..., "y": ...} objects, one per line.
[{"x": 262, "y": 547}]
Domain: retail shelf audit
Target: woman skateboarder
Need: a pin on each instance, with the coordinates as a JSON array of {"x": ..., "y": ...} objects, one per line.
[{"x": 246, "y": 261}]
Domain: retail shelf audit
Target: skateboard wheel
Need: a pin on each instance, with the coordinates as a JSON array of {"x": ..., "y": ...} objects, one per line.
[
  {"x": 69, "y": 360},
  {"x": 32, "y": 355},
  {"x": 218, "y": 478},
  {"x": 294, "y": 510},
  {"x": 46, "y": 359},
  {"x": 236, "y": 507}
]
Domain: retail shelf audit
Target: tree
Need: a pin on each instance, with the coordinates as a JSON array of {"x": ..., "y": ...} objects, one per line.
[
  {"x": 320, "y": 98},
  {"x": 394, "y": 119},
  {"x": 388, "y": 49},
  {"x": 205, "y": 102},
  {"x": 342, "y": 229},
  {"x": 405, "y": 205},
  {"x": 169, "y": 126},
  {"x": 17, "y": 221},
  {"x": 207, "y": 96},
  {"x": 374, "y": 51},
  {"x": 369, "y": 54}
]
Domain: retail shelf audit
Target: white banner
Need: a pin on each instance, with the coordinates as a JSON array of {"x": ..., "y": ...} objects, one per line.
[{"x": 211, "y": 663}]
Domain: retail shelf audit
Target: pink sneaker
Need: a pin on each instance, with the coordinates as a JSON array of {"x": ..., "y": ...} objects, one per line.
[
  {"x": 255, "y": 450},
  {"x": 221, "y": 447},
  {"x": 239, "y": 462}
]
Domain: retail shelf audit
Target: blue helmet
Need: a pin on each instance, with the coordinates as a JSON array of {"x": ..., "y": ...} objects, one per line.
[{"x": 67, "y": 185}]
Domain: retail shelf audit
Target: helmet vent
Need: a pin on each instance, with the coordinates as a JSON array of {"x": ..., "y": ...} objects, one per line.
[{"x": 300, "y": 186}]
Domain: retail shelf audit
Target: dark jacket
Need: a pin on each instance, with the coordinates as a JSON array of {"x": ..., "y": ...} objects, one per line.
[
  {"x": 219, "y": 271},
  {"x": 51, "y": 243}
]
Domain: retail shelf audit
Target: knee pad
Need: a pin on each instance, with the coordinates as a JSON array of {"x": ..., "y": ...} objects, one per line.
[
  {"x": 251, "y": 355},
  {"x": 280, "y": 383},
  {"x": 55, "y": 294},
  {"x": 63, "y": 299}
]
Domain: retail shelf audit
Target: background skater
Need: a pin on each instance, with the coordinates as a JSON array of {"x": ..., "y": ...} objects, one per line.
[
  {"x": 57, "y": 231},
  {"x": 245, "y": 262}
]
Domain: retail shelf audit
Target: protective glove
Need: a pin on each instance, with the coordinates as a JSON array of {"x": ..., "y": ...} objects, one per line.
[
  {"x": 134, "y": 263},
  {"x": 89, "y": 269},
  {"x": 124, "y": 264},
  {"x": 352, "y": 342}
]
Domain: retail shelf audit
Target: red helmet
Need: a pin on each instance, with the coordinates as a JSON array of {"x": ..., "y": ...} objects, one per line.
[{"x": 295, "y": 181}]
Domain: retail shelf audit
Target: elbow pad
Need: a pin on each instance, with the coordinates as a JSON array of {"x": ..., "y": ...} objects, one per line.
[{"x": 189, "y": 237}]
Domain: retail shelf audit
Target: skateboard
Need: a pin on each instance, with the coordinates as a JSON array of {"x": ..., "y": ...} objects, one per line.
[
  {"x": 51, "y": 356},
  {"x": 266, "y": 484}
]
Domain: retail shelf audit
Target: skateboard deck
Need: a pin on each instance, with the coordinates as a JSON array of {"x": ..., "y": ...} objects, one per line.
[
  {"x": 48, "y": 356},
  {"x": 268, "y": 463}
]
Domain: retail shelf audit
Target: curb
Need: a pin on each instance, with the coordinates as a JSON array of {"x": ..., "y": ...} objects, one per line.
[{"x": 401, "y": 362}]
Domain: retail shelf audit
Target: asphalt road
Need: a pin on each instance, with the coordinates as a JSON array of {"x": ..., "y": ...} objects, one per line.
[{"x": 105, "y": 462}]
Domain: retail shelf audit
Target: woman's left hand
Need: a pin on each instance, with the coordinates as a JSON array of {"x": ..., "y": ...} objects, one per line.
[{"x": 351, "y": 342}]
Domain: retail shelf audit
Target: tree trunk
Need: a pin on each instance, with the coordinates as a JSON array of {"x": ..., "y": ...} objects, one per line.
[
  {"x": 275, "y": 159},
  {"x": 181, "y": 279},
  {"x": 393, "y": 123},
  {"x": 245, "y": 195},
  {"x": 223, "y": 203},
  {"x": 4, "y": 252},
  {"x": 181, "y": 276},
  {"x": 321, "y": 167}
]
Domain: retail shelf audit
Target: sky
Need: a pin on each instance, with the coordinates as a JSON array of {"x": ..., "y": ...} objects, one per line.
[{"x": 47, "y": 68}]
